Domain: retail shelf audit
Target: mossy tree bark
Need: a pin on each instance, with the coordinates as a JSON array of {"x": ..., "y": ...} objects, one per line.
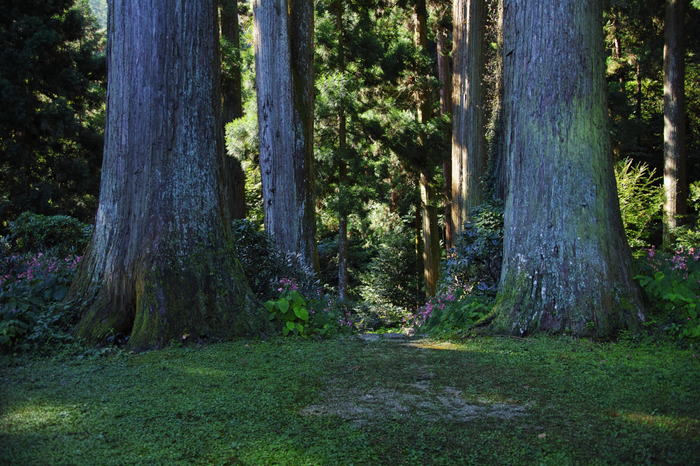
[
  {"x": 161, "y": 264},
  {"x": 675, "y": 188},
  {"x": 469, "y": 151},
  {"x": 283, "y": 34},
  {"x": 566, "y": 264}
]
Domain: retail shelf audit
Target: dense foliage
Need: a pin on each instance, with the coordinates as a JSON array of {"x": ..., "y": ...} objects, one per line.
[{"x": 51, "y": 109}]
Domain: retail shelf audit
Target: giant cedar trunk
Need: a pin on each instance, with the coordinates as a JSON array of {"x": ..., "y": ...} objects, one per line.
[
  {"x": 566, "y": 263},
  {"x": 161, "y": 263},
  {"x": 675, "y": 205},
  {"x": 232, "y": 105},
  {"x": 468, "y": 121},
  {"x": 283, "y": 31}
]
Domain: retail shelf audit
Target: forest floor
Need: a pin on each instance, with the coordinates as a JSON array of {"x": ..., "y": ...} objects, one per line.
[{"x": 486, "y": 400}]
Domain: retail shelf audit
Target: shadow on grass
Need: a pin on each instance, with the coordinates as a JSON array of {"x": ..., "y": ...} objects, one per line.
[{"x": 487, "y": 401}]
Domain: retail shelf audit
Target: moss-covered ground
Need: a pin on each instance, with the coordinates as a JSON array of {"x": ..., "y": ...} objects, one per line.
[{"x": 487, "y": 400}]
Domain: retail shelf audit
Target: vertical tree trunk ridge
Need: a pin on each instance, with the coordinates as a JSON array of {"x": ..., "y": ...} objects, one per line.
[
  {"x": 232, "y": 108},
  {"x": 566, "y": 263},
  {"x": 161, "y": 264},
  {"x": 284, "y": 80},
  {"x": 675, "y": 188},
  {"x": 469, "y": 151}
]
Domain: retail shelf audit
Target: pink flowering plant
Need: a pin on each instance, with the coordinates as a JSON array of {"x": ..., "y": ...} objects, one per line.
[
  {"x": 672, "y": 283},
  {"x": 453, "y": 311},
  {"x": 32, "y": 288},
  {"x": 290, "y": 309}
]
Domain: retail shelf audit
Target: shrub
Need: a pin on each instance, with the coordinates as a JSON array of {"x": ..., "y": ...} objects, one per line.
[
  {"x": 688, "y": 235},
  {"x": 455, "y": 311},
  {"x": 391, "y": 278},
  {"x": 672, "y": 283},
  {"x": 32, "y": 288},
  {"x": 264, "y": 265},
  {"x": 32, "y": 233},
  {"x": 474, "y": 264},
  {"x": 641, "y": 201}
]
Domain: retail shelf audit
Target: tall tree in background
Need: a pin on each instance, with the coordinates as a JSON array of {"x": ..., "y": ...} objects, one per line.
[
  {"x": 675, "y": 188},
  {"x": 429, "y": 224},
  {"x": 469, "y": 152},
  {"x": 283, "y": 35},
  {"x": 161, "y": 265},
  {"x": 342, "y": 168},
  {"x": 232, "y": 103},
  {"x": 566, "y": 263},
  {"x": 52, "y": 72}
]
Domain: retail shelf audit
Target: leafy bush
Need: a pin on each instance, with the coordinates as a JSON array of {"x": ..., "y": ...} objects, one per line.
[
  {"x": 264, "y": 265},
  {"x": 290, "y": 310},
  {"x": 32, "y": 288},
  {"x": 451, "y": 312},
  {"x": 474, "y": 264},
  {"x": 32, "y": 233},
  {"x": 672, "y": 283},
  {"x": 688, "y": 235},
  {"x": 392, "y": 275},
  {"x": 641, "y": 201}
]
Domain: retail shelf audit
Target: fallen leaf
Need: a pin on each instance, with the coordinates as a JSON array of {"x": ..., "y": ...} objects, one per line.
[{"x": 542, "y": 435}]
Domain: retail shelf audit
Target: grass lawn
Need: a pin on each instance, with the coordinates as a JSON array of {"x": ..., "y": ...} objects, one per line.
[{"x": 489, "y": 400}]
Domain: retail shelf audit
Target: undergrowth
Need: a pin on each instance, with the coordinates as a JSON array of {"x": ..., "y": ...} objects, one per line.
[{"x": 542, "y": 400}]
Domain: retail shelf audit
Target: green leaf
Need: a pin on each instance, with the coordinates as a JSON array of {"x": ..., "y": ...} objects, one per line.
[
  {"x": 290, "y": 326},
  {"x": 283, "y": 304},
  {"x": 270, "y": 305},
  {"x": 301, "y": 313}
]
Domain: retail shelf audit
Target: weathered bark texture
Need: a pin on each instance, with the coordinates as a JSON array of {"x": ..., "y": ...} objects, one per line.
[
  {"x": 469, "y": 154},
  {"x": 161, "y": 265},
  {"x": 445, "y": 77},
  {"x": 566, "y": 263},
  {"x": 283, "y": 31},
  {"x": 429, "y": 226},
  {"x": 675, "y": 188},
  {"x": 496, "y": 155},
  {"x": 232, "y": 106}
]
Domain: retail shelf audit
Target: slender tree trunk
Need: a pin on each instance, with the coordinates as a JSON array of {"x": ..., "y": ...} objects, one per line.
[
  {"x": 675, "y": 205},
  {"x": 161, "y": 266},
  {"x": 342, "y": 171},
  {"x": 496, "y": 155},
  {"x": 469, "y": 152},
  {"x": 566, "y": 263},
  {"x": 232, "y": 106},
  {"x": 283, "y": 32},
  {"x": 445, "y": 77},
  {"x": 431, "y": 238}
]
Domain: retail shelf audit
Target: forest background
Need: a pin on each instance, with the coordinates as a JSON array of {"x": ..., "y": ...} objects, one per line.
[{"x": 372, "y": 179}]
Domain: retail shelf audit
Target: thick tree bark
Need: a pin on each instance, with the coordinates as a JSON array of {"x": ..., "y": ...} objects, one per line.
[
  {"x": 232, "y": 107},
  {"x": 675, "y": 188},
  {"x": 429, "y": 226},
  {"x": 566, "y": 263},
  {"x": 283, "y": 31},
  {"x": 469, "y": 151},
  {"x": 161, "y": 265}
]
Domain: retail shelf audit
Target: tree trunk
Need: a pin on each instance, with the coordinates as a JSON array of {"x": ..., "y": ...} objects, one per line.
[
  {"x": 283, "y": 32},
  {"x": 445, "y": 77},
  {"x": 232, "y": 106},
  {"x": 342, "y": 170},
  {"x": 469, "y": 154},
  {"x": 675, "y": 205},
  {"x": 566, "y": 263},
  {"x": 431, "y": 238},
  {"x": 161, "y": 265}
]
